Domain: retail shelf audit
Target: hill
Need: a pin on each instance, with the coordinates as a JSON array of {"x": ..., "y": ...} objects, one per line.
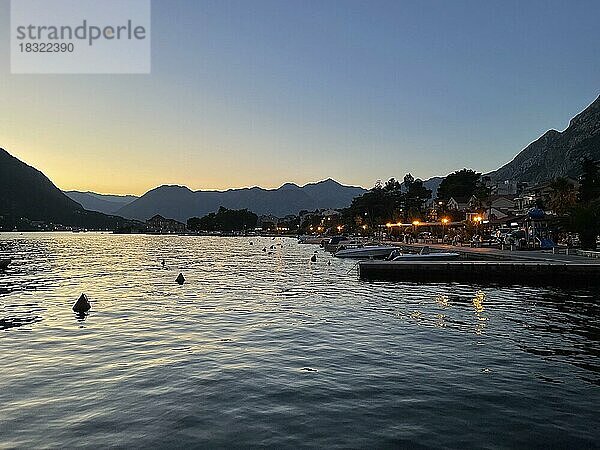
[
  {"x": 27, "y": 195},
  {"x": 556, "y": 154},
  {"x": 104, "y": 203},
  {"x": 181, "y": 203}
]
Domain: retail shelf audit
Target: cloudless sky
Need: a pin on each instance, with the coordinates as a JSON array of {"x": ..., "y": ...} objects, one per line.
[{"x": 250, "y": 92}]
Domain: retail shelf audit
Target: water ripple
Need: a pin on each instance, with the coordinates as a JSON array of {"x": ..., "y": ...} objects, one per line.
[{"x": 260, "y": 349}]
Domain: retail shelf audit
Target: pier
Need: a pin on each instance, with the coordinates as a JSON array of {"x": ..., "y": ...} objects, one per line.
[
  {"x": 489, "y": 266},
  {"x": 485, "y": 272}
]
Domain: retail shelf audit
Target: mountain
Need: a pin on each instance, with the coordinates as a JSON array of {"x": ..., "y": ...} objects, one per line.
[
  {"x": 181, "y": 203},
  {"x": 27, "y": 195},
  {"x": 557, "y": 154},
  {"x": 107, "y": 204}
]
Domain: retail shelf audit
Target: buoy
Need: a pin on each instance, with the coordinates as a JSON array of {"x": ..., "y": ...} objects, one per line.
[
  {"x": 251, "y": 243},
  {"x": 328, "y": 263},
  {"x": 264, "y": 249},
  {"x": 313, "y": 258},
  {"x": 163, "y": 263},
  {"x": 82, "y": 305},
  {"x": 180, "y": 279}
]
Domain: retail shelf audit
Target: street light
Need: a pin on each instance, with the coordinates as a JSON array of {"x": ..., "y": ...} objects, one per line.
[{"x": 445, "y": 221}]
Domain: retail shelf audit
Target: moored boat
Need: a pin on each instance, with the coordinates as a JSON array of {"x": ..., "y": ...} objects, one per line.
[
  {"x": 311, "y": 240},
  {"x": 429, "y": 256},
  {"x": 424, "y": 254},
  {"x": 366, "y": 252}
]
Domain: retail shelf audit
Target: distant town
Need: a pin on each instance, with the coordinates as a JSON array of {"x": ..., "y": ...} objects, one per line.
[{"x": 468, "y": 208}]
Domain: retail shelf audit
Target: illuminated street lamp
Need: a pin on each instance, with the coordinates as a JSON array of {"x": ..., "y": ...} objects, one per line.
[{"x": 445, "y": 221}]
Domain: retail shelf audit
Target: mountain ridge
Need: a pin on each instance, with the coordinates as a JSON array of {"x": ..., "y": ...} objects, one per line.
[
  {"x": 557, "y": 153},
  {"x": 104, "y": 203},
  {"x": 181, "y": 203},
  {"x": 28, "y": 196}
]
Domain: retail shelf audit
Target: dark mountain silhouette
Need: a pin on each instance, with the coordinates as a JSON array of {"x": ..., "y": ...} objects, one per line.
[
  {"x": 557, "y": 154},
  {"x": 27, "y": 195},
  {"x": 104, "y": 203},
  {"x": 181, "y": 203}
]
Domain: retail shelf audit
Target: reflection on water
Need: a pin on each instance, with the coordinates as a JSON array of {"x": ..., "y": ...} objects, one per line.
[{"x": 271, "y": 349}]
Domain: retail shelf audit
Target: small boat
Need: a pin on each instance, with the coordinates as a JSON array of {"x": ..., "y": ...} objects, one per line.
[
  {"x": 424, "y": 254},
  {"x": 366, "y": 252},
  {"x": 4, "y": 263},
  {"x": 336, "y": 243},
  {"x": 311, "y": 240}
]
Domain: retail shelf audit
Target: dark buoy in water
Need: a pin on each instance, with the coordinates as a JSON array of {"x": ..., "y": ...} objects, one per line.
[
  {"x": 163, "y": 263},
  {"x": 313, "y": 258},
  {"x": 251, "y": 243},
  {"x": 264, "y": 249},
  {"x": 82, "y": 305},
  {"x": 180, "y": 279},
  {"x": 328, "y": 263}
]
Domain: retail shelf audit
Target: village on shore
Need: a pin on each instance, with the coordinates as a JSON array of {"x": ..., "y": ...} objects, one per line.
[{"x": 468, "y": 210}]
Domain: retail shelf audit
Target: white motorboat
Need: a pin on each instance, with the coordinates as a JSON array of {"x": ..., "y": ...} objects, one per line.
[
  {"x": 424, "y": 254},
  {"x": 311, "y": 240},
  {"x": 4, "y": 263},
  {"x": 336, "y": 243},
  {"x": 366, "y": 252}
]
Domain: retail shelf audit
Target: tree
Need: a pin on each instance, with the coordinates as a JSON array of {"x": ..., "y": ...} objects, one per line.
[
  {"x": 462, "y": 183},
  {"x": 415, "y": 197},
  {"x": 563, "y": 196},
  {"x": 224, "y": 220},
  {"x": 585, "y": 216},
  {"x": 589, "y": 188},
  {"x": 585, "y": 220}
]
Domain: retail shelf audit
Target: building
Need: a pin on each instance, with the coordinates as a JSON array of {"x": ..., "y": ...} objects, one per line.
[
  {"x": 462, "y": 203},
  {"x": 158, "y": 224}
]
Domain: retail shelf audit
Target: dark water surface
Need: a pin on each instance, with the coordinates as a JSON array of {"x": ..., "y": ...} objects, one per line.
[{"x": 273, "y": 350}]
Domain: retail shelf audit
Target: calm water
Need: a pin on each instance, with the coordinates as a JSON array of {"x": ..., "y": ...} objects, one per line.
[{"x": 273, "y": 350}]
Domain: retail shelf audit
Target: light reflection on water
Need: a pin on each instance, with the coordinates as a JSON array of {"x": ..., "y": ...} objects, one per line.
[{"x": 258, "y": 349}]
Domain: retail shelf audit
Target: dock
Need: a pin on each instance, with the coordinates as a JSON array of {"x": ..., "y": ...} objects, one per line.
[
  {"x": 488, "y": 266},
  {"x": 484, "y": 272}
]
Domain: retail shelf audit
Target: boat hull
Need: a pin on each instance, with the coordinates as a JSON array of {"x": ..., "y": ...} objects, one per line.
[{"x": 365, "y": 252}]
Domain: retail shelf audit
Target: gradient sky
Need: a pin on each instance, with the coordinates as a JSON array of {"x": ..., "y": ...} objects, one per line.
[{"x": 250, "y": 92}]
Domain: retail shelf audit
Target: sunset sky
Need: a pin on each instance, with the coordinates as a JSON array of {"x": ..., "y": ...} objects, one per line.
[{"x": 255, "y": 92}]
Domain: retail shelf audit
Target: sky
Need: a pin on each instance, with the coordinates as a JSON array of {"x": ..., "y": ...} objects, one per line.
[{"x": 252, "y": 92}]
